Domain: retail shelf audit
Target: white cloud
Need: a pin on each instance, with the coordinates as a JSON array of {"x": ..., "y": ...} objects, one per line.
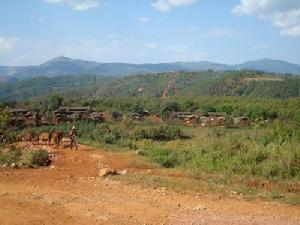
[
  {"x": 7, "y": 44},
  {"x": 292, "y": 32},
  {"x": 178, "y": 3},
  {"x": 145, "y": 19},
  {"x": 78, "y": 5},
  {"x": 284, "y": 14},
  {"x": 151, "y": 45},
  {"x": 161, "y": 5},
  {"x": 167, "y": 5}
]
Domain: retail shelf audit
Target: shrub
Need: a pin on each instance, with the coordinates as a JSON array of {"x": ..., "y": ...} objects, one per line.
[
  {"x": 108, "y": 135},
  {"x": 40, "y": 158},
  {"x": 162, "y": 133},
  {"x": 31, "y": 158},
  {"x": 7, "y": 158},
  {"x": 139, "y": 133},
  {"x": 165, "y": 157},
  {"x": 28, "y": 158}
]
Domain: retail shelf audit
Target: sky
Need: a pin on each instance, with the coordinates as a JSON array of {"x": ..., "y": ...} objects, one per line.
[{"x": 149, "y": 31}]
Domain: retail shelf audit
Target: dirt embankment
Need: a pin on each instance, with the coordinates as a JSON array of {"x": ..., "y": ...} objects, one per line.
[{"x": 70, "y": 192}]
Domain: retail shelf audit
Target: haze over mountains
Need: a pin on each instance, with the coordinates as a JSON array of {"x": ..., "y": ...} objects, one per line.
[{"x": 67, "y": 66}]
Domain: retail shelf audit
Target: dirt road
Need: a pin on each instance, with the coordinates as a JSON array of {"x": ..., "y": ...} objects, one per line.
[{"x": 70, "y": 192}]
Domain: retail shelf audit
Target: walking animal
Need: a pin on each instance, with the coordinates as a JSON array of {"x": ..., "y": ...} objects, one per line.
[
  {"x": 56, "y": 138},
  {"x": 45, "y": 138},
  {"x": 28, "y": 138}
]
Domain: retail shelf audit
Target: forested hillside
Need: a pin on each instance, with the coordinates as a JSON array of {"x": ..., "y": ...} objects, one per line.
[
  {"x": 68, "y": 86},
  {"x": 206, "y": 83}
]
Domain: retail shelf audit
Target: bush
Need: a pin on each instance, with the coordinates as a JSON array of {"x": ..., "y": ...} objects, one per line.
[
  {"x": 40, "y": 158},
  {"x": 7, "y": 158},
  {"x": 31, "y": 158},
  {"x": 108, "y": 135},
  {"x": 139, "y": 133},
  {"x": 28, "y": 158},
  {"x": 165, "y": 157},
  {"x": 162, "y": 133}
]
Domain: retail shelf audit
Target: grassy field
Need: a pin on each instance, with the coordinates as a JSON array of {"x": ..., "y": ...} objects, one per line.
[{"x": 251, "y": 162}]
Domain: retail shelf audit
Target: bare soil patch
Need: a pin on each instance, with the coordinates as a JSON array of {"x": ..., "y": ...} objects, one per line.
[{"x": 263, "y": 79}]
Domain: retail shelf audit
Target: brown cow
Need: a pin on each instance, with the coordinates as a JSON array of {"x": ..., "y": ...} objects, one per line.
[
  {"x": 45, "y": 138},
  {"x": 35, "y": 140},
  {"x": 56, "y": 138},
  {"x": 28, "y": 138}
]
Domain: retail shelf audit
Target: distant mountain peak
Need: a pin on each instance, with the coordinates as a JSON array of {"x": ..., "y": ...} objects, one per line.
[
  {"x": 63, "y": 65},
  {"x": 61, "y": 58},
  {"x": 58, "y": 59}
]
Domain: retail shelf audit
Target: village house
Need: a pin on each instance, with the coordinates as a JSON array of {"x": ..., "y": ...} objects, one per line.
[
  {"x": 71, "y": 113},
  {"x": 204, "y": 121},
  {"x": 186, "y": 117},
  {"x": 241, "y": 122},
  {"x": 136, "y": 116},
  {"x": 23, "y": 117},
  {"x": 97, "y": 117},
  {"x": 140, "y": 115},
  {"x": 217, "y": 118}
]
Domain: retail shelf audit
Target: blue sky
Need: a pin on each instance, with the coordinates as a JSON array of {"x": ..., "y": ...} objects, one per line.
[{"x": 149, "y": 31}]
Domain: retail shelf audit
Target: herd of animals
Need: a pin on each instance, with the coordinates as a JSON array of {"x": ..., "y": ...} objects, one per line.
[{"x": 55, "y": 138}]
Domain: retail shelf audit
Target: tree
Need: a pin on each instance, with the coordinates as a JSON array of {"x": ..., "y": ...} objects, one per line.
[
  {"x": 168, "y": 108},
  {"x": 4, "y": 119},
  {"x": 55, "y": 101}
]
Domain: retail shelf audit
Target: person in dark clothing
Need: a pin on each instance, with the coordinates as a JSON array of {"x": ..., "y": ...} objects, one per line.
[{"x": 73, "y": 138}]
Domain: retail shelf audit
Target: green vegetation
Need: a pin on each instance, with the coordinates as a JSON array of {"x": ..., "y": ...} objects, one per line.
[
  {"x": 4, "y": 119},
  {"x": 68, "y": 86},
  {"x": 227, "y": 152},
  {"x": 26, "y": 158},
  {"x": 206, "y": 83},
  {"x": 161, "y": 133}
]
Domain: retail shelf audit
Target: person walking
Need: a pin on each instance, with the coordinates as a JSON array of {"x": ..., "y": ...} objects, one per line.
[{"x": 73, "y": 138}]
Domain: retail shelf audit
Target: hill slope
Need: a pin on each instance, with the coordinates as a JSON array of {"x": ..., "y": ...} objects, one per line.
[
  {"x": 271, "y": 66},
  {"x": 209, "y": 83}
]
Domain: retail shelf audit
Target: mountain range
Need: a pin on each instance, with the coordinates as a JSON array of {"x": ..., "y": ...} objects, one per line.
[{"x": 66, "y": 66}]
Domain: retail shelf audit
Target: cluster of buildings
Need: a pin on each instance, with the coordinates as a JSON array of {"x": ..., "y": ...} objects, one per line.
[
  {"x": 68, "y": 114},
  {"x": 65, "y": 114},
  {"x": 210, "y": 119}
]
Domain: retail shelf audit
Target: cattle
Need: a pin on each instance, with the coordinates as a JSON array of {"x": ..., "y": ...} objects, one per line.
[
  {"x": 56, "y": 138},
  {"x": 28, "y": 136},
  {"x": 45, "y": 138},
  {"x": 35, "y": 140}
]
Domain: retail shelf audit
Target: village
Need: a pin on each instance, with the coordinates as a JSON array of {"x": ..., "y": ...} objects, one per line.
[{"x": 20, "y": 118}]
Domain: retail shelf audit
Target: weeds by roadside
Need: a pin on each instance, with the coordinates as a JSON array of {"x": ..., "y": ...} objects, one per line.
[{"x": 24, "y": 158}]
